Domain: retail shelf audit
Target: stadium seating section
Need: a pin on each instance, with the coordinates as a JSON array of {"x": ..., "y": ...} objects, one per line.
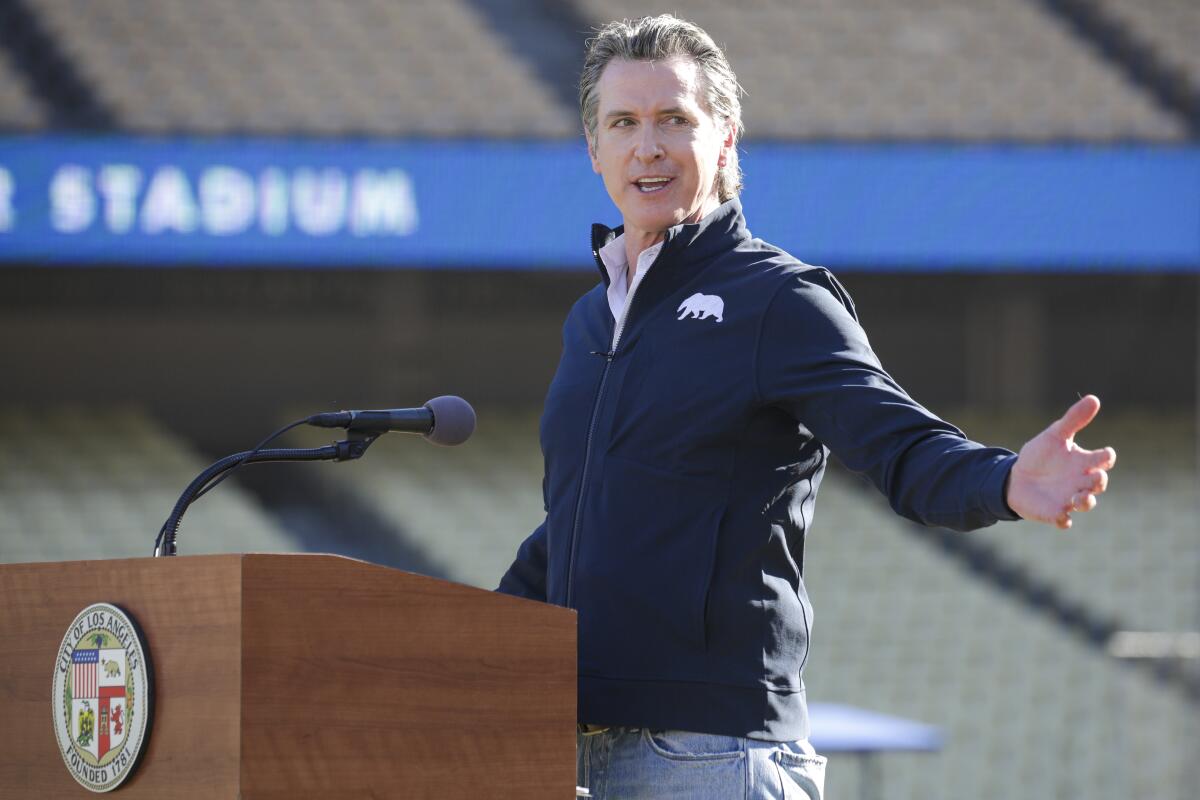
[
  {"x": 99, "y": 485},
  {"x": 826, "y": 69},
  {"x": 370, "y": 67},
  {"x": 917, "y": 69}
]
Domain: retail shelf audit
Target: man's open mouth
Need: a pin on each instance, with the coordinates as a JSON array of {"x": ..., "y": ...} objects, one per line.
[{"x": 648, "y": 185}]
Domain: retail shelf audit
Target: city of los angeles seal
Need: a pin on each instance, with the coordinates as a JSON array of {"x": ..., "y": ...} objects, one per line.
[{"x": 101, "y": 697}]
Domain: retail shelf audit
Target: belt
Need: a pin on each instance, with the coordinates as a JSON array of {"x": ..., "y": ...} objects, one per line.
[{"x": 592, "y": 730}]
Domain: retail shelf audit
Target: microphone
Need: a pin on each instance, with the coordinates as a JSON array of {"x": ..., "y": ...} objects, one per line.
[{"x": 445, "y": 420}]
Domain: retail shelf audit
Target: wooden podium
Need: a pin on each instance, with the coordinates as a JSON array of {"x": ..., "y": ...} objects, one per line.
[{"x": 303, "y": 676}]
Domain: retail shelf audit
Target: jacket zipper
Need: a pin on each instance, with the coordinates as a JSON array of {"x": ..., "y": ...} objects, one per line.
[{"x": 587, "y": 450}]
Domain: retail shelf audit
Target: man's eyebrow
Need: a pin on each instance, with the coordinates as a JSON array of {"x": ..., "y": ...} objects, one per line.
[{"x": 662, "y": 112}]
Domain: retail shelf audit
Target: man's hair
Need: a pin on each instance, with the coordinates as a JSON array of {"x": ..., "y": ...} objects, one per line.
[{"x": 657, "y": 39}]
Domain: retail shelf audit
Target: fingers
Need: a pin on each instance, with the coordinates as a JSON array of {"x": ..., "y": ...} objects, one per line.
[
  {"x": 1077, "y": 417},
  {"x": 1104, "y": 458},
  {"x": 1080, "y": 502},
  {"x": 1094, "y": 482}
]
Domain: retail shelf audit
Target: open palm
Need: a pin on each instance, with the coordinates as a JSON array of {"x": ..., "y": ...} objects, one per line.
[{"x": 1053, "y": 476}]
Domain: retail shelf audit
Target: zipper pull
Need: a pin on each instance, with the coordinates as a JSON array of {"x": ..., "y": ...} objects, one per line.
[{"x": 607, "y": 356}]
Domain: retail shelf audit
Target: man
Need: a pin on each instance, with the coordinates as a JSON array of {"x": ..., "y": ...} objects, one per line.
[{"x": 685, "y": 434}]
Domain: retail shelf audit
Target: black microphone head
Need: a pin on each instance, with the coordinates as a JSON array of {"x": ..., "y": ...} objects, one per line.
[{"x": 453, "y": 420}]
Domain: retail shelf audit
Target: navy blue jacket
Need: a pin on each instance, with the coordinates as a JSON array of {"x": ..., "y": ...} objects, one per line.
[{"x": 682, "y": 467}]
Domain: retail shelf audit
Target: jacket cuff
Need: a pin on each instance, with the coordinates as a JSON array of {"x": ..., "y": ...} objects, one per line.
[{"x": 993, "y": 493}]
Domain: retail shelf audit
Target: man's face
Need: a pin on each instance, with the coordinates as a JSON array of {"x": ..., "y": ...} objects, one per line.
[{"x": 656, "y": 146}]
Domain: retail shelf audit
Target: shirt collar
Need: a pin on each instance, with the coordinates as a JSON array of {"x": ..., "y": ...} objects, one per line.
[
  {"x": 612, "y": 255},
  {"x": 692, "y": 242}
]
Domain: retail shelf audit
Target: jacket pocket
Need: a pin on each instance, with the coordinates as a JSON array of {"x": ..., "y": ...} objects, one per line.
[{"x": 646, "y": 560}]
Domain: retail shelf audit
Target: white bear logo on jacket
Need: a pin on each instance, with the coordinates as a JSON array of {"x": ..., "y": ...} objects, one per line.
[{"x": 702, "y": 306}]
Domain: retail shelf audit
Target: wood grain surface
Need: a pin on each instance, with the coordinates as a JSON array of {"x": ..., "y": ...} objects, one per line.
[
  {"x": 361, "y": 681},
  {"x": 303, "y": 676},
  {"x": 189, "y": 610}
]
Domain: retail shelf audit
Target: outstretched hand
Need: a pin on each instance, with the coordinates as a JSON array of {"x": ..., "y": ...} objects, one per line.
[{"x": 1053, "y": 476}]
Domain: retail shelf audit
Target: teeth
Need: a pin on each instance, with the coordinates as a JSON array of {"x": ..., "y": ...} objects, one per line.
[{"x": 651, "y": 184}]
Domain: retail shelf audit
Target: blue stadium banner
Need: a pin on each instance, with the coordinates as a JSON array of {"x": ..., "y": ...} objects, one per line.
[{"x": 493, "y": 204}]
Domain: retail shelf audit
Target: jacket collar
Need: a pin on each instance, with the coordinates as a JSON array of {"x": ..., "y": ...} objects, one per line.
[{"x": 689, "y": 243}]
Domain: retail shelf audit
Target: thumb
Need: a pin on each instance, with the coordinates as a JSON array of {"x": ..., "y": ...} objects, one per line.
[{"x": 1077, "y": 417}]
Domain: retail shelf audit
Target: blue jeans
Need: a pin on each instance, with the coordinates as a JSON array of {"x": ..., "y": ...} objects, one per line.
[{"x": 642, "y": 764}]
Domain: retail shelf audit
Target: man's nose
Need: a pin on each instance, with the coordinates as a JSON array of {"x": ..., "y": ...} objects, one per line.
[{"x": 647, "y": 147}]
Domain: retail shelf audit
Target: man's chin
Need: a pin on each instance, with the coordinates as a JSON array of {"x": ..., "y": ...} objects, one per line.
[
  {"x": 656, "y": 214},
  {"x": 656, "y": 222}
]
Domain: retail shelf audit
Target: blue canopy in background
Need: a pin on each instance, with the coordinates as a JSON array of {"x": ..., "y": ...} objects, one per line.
[{"x": 846, "y": 729}]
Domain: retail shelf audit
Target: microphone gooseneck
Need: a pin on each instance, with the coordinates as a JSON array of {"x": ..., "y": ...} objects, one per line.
[{"x": 445, "y": 420}]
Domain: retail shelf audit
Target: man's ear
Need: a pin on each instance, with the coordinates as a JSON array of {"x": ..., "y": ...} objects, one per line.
[{"x": 730, "y": 137}]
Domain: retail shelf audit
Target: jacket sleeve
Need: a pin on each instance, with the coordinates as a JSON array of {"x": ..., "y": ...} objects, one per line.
[
  {"x": 527, "y": 575},
  {"x": 813, "y": 360}
]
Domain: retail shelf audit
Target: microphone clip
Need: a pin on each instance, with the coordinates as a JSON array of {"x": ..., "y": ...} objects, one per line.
[{"x": 355, "y": 444}]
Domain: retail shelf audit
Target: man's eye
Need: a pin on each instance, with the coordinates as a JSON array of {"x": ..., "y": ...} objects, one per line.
[
  {"x": 679, "y": 120},
  {"x": 624, "y": 122}
]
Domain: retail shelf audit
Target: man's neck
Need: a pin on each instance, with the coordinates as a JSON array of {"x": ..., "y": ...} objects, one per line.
[
  {"x": 634, "y": 246},
  {"x": 637, "y": 240}
]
